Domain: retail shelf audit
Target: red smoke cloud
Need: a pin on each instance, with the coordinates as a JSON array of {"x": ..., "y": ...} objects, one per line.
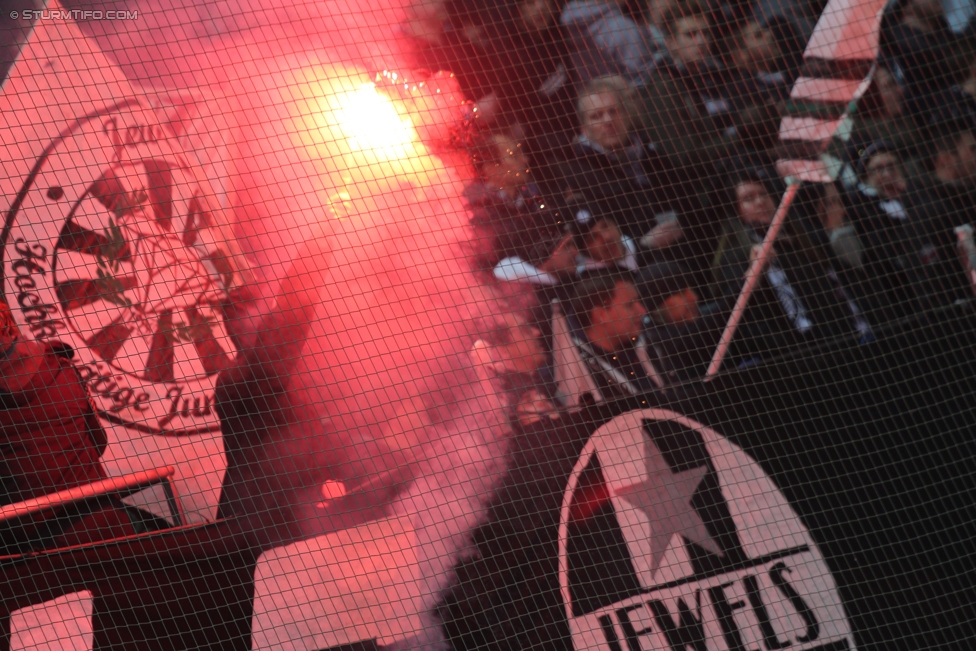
[{"x": 385, "y": 380}]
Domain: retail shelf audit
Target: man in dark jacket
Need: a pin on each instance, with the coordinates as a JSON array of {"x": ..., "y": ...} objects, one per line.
[
  {"x": 607, "y": 333},
  {"x": 684, "y": 106},
  {"x": 509, "y": 210},
  {"x": 613, "y": 173},
  {"x": 916, "y": 40},
  {"x": 796, "y": 300},
  {"x": 946, "y": 198},
  {"x": 897, "y": 250},
  {"x": 264, "y": 418}
]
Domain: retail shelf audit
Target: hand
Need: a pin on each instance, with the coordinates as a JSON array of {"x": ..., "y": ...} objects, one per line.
[
  {"x": 662, "y": 235},
  {"x": 754, "y": 255},
  {"x": 562, "y": 262}
]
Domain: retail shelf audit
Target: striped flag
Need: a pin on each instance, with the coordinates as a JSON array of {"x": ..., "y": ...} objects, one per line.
[{"x": 837, "y": 69}]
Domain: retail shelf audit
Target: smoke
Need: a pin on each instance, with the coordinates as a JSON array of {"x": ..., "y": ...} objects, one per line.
[{"x": 386, "y": 380}]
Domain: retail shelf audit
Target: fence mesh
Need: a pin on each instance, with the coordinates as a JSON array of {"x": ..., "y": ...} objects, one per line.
[{"x": 487, "y": 324}]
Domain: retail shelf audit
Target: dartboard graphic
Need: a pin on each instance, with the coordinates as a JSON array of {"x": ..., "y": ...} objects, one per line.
[
  {"x": 131, "y": 280},
  {"x": 111, "y": 246}
]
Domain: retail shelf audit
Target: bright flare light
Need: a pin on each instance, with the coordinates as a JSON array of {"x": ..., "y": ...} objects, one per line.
[{"x": 371, "y": 123}]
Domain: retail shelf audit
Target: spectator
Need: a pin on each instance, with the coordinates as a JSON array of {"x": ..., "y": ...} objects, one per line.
[
  {"x": 521, "y": 233},
  {"x": 597, "y": 244},
  {"x": 946, "y": 198},
  {"x": 607, "y": 42},
  {"x": 503, "y": 172},
  {"x": 881, "y": 114},
  {"x": 613, "y": 173},
  {"x": 261, "y": 417},
  {"x": 952, "y": 179},
  {"x": 796, "y": 299},
  {"x": 684, "y": 107},
  {"x": 509, "y": 358},
  {"x": 895, "y": 244},
  {"x": 762, "y": 68},
  {"x": 559, "y": 267},
  {"x": 762, "y": 71},
  {"x": 609, "y": 315},
  {"x": 508, "y": 208},
  {"x": 922, "y": 50},
  {"x": 682, "y": 333},
  {"x": 438, "y": 44},
  {"x": 52, "y": 441},
  {"x": 601, "y": 245},
  {"x": 525, "y": 73}
]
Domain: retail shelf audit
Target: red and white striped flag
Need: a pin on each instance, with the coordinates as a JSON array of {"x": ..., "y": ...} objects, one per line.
[{"x": 837, "y": 67}]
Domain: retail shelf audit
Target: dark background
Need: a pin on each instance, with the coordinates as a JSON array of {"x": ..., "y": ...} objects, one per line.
[{"x": 874, "y": 446}]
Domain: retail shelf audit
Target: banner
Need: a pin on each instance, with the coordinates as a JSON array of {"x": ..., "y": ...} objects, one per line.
[
  {"x": 796, "y": 539},
  {"x": 112, "y": 244},
  {"x": 712, "y": 554},
  {"x": 826, "y": 472}
]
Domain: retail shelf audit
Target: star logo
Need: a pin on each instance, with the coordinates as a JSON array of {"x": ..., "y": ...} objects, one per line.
[{"x": 665, "y": 498}]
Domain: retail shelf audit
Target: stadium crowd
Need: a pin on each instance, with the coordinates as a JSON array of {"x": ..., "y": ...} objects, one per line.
[{"x": 625, "y": 157}]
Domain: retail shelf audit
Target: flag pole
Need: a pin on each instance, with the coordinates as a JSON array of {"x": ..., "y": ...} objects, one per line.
[{"x": 753, "y": 274}]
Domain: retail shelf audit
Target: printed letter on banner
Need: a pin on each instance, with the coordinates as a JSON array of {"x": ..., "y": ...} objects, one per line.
[{"x": 673, "y": 538}]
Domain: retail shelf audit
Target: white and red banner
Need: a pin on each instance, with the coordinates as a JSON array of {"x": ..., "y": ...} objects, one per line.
[{"x": 113, "y": 244}]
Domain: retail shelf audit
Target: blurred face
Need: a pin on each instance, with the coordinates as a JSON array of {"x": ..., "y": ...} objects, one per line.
[
  {"x": 537, "y": 15},
  {"x": 656, "y": 10},
  {"x": 883, "y": 173},
  {"x": 680, "y": 308},
  {"x": 510, "y": 168},
  {"x": 890, "y": 92},
  {"x": 689, "y": 44},
  {"x": 524, "y": 352},
  {"x": 833, "y": 213},
  {"x": 758, "y": 49},
  {"x": 604, "y": 121},
  {"x": 753, "y": 204},
  {"x": 622, "y": 320},
  {"x": 604, "y": 243},
  {"x": 926, "y": 8},
  {"x": 966, "y": 158}
]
